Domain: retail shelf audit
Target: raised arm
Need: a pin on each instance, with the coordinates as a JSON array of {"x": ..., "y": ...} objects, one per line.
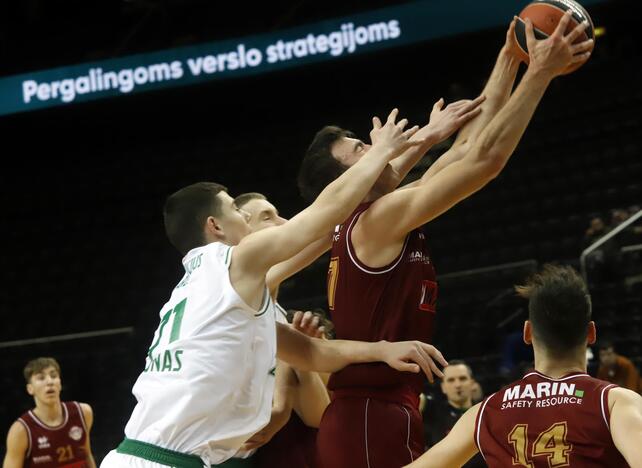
[
  {"x": 314, "y": 354},
  {"x": 496, "y": 92},
  {"x": 17, "y": 445},
  {"x": 442, "y": 124},
  {"x": 259, "y": 251},
  {"x": 456, "y": 448},
  {"x": 626, "y": 424},
  {"x": 488, "y": 155}
]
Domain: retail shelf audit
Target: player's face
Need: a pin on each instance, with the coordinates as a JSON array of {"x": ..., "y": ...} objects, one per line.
[
  {"x": 233, "y": 220},
  {"x": 263, "y": 214},
  {"x": 45, "y": 385},
  {"x": 457, "y": 383},
  {"x": 608, "y": 357},
  {"x": 349, "y": 150}
]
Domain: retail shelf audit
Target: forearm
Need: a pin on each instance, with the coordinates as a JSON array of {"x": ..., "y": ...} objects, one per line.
[
  {"x": 499, "y": 139},
  {"x": 314, "y": 354},
  {"x": 497, "y": 92},
  {"x": 341, "y": 197},
  {"x": 404, "y": 163},
  {"x": 311, "y": 398},
  {"x": 285, "y": 387}
]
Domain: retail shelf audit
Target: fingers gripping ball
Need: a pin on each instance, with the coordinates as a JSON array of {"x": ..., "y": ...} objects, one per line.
[{"x": 545, "y": 15}]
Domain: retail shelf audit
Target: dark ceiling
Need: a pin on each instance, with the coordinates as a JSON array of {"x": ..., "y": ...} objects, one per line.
[{"x": 43, "y": 33}]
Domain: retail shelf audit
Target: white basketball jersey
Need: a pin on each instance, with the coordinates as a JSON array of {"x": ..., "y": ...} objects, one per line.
[{"x": 209, "y": 374}]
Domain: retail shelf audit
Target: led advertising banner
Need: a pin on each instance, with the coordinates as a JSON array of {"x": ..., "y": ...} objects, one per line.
[{"x": 332, "y": 39}]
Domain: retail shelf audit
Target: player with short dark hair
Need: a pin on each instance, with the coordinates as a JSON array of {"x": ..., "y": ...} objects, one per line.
[
  {"x": 556, "y": 415},
  {"x": 381, "y": 280}
]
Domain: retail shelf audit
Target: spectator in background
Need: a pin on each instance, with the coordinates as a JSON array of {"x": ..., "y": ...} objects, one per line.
[
  {"x": 596, "y": 230},
  {"x": 617, "y": 369},
  {"x": 476, "y": 391},
  {"x": 440, "y": 417}
]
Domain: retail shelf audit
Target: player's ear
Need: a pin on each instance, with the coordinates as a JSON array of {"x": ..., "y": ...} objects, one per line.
[
  {"x": 213, "y": 228},
  {"x": 30, "y": 390},
  {"x": 591, "y": 333},
  {"x": 528, "y": 332}
]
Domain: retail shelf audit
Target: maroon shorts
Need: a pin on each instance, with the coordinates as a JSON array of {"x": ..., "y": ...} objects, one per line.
[{"x": 364, "y": 432}]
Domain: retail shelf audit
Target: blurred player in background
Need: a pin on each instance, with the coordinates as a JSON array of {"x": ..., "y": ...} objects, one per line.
[
  {"x": 55, "y": 433},
  {"x": 557, "y": 415}
]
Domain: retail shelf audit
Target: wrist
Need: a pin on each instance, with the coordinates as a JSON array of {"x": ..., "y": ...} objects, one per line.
[{"x": 538, "y": 75}]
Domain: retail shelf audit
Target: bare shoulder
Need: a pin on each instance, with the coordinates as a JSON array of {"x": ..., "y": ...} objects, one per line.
[
  {"x": 17, "y": 436},
  {"x": 625, "y": 396},
  {"x": 619, "y": 394},
  {"x": 87, "y": 412}
]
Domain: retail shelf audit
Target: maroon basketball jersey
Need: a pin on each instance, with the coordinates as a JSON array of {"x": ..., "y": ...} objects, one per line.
[
  {"x": 394, "y": 303},
  {"x": 539, "y": 422},
  {"x": 60, "y": 446}
]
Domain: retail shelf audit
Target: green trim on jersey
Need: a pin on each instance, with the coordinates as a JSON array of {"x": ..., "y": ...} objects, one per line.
[
  {"x": 158, "y": 454},
  {"x": 282, "y": 310},
  {"x": 266, "y": 303},
  {"x": 228, "y": 257}
]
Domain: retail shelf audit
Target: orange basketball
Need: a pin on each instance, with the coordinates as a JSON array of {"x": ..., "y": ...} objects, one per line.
[{"x": 545, "y": 15}]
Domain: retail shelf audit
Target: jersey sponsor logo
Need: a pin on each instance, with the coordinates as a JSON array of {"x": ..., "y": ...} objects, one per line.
[
  {"x": 43, "y": 442},
  {"x": 75, "y": 433},
  {"x": 42, "y": 459},
  {"x": 541, "y": 395},
  {"x": 418, "y": 256}
]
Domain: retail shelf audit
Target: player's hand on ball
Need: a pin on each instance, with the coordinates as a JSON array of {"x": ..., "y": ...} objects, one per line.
[
  {"x": 556, "y": 53},
  {"x": 308, "y": 324},
  {"x": 446, "y": 121},
  {"x": 414, "y": 356}
]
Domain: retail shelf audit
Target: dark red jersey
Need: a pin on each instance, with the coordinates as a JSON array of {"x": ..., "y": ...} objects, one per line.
[
  {"x": 539, "y": 422},
  {"x": 60, "y": 446},
  {"x": 394, "y": 303}
]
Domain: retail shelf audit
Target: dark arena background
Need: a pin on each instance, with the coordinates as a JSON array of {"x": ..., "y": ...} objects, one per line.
[{"x": 86, "y": 266}]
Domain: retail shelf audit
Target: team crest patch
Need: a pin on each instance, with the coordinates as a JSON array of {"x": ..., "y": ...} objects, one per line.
[{"x": 75, "y": 433}]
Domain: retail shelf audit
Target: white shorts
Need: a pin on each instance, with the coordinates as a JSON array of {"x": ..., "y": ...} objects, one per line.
[{"x": 121, "y": 460}]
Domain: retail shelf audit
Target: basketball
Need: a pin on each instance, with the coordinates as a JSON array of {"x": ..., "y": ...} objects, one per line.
[{"x": 545, "y": 15}]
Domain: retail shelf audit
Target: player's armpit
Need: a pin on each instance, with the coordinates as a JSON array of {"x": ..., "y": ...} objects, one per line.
[
  {"x": 456, "y": 448},
  {"x": 17, "y": 445},
  {"x": 626, "y": 424}
]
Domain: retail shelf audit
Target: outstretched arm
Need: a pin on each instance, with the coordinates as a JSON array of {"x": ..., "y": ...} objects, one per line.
[
  {"x": 497, "y": 91},
  {"x": 314, "y": 354},
  {"x": 260, "y": 251},
  {"x": 442, "y": 124},
  {"x": 456, "y": 448},
  {"x": 489, "y": 153},
  {"x": 626, "y": 424}
]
